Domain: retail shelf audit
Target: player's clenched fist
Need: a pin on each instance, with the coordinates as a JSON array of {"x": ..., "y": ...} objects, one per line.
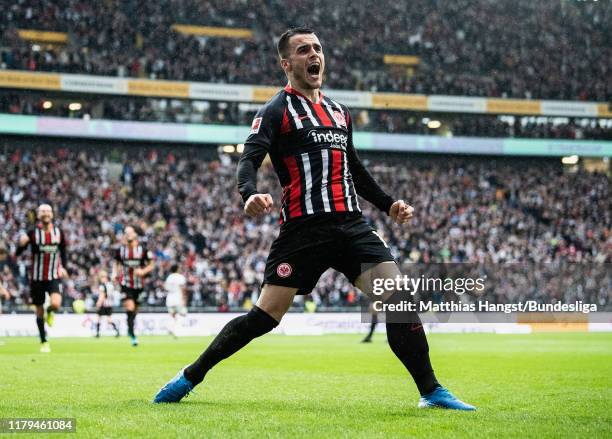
[
  {"x": 401, "y": 212},
  {"x": 258, "y": 204}
]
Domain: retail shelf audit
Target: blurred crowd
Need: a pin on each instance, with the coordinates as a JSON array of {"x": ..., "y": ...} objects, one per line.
[
  {"x": 488, "y": 211},
  {"x": 520, "y": 49},
  {"x": 480, "y": 125},
  {"x": 233, "y": 113}
]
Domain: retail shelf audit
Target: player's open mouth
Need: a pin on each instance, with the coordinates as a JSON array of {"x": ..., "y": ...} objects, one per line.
[{"x": 313, "y": 70}]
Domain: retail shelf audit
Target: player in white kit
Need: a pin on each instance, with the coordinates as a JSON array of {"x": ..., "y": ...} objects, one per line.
[{"x": 176, "y": 300}]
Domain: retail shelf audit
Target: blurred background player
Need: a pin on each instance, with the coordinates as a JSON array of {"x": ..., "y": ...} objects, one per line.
[
  {"x": 48, "y": 249},
  {"x": 176, "y": 300},
  {"x": 106, "y": 300},
  {"x": 133, "y": 262},
  {"x": 373, "y": 323}
]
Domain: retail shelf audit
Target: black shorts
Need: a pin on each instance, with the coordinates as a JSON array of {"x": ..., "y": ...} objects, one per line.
[
  {"x": 38, "y": 290},
  {"x": 131, "y": 293},
  {"x": 306, "y": 247},
  {"x": 105, "y": 311}
]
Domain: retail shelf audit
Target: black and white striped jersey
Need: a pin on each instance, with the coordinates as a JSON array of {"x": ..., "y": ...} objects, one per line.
[
  {"x": 48, "y": 248},
  {"x": 311, "y": 147},
  {"x": 131, "y": 257},
  {"x": 110, "y": 294}
]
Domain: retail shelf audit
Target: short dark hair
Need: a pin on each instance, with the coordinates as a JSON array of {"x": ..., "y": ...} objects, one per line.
[
  {"x": 174, "y": 268},
  {"x": 283, "y": 43}
]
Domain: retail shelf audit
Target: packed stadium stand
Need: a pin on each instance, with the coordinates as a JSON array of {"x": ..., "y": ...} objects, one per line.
[
  {"x": 470, "y": 209},
  {"x": 523, "y": 49},
  {"x": 182, "y": 197}
]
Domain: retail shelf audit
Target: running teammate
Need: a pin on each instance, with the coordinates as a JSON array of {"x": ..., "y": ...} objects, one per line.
[
  {"x": 176, "y": 300},
  {"x": 133, "y": 262},
  {"x": 309, "y": 138},
  {"x": 48, "y": 250},
  {"x": 373, "y": 323},
  {"x": 106, "y": 300}
]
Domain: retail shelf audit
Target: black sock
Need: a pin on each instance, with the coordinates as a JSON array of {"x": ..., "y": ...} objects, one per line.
[
  {"x": 409, "y": 344},
  {"x": 40, "y": 322},
  {"x": 114, "y": 327},
  {"x": 233, "y": 337},
  {"x": 373, "y": 324},
  {"x": 98, "y": 328},
  {"x": 131, "y": 318}
]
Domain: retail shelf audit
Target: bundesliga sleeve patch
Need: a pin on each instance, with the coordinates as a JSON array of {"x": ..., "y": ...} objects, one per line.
[
  {"x": 255, "y": 125},
  {"x": 339, "y": 118}
]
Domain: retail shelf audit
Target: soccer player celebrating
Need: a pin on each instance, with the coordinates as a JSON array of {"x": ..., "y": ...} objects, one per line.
[
  {"x": 133, "y": 262},
  {"x": 48, "y": 249},
  {"x": 309, "y": 138},
  {"x": 176, "y": 300},
  {"x": 106, "y": 301}
]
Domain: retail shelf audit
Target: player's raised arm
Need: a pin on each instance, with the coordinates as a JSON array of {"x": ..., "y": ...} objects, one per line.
[
  {"x": 150, "y": 264},
  {"x": 365, "y": 185},
  {"x": 254, "y": 203},
  {"x": 63, "y": 256},
  {"x": 22, "y": 244},
  {"x": 262, "y": 136},
  {"x": 148, "y": 268},
  {"x": 101, "y": 296},
  {"x": 116, "y": 267}
]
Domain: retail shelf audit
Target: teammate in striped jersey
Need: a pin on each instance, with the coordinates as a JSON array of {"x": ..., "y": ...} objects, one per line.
[
  {"x": 106, "y": 301},
  {"x": 133, "y": 262},
  {"x": 309, "y": 138},
  {"x": 48, "y": 249}
]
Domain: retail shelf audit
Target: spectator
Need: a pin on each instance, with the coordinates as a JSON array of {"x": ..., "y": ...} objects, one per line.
[
  {"x": 468, "y": 210},
  {"x": 518, "y": 49}
]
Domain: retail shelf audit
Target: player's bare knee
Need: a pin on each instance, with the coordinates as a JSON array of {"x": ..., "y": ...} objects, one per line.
[
  {"x": 377, "y": 274},
  {"x": 276, "y": 300},
  {"x": 274, "y": 311},
  {"x": 55, "y": 301}
]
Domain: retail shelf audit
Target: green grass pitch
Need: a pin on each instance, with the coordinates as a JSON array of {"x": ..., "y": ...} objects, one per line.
[{"x": 538, "y": 385}]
